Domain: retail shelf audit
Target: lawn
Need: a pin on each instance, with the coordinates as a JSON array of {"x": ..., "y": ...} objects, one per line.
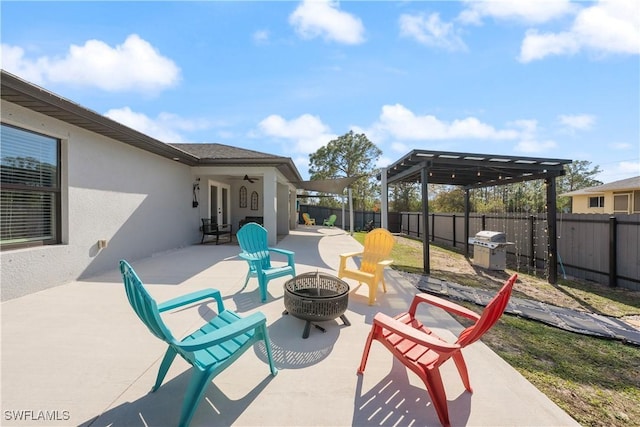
[{"x": 595, "y": 380}]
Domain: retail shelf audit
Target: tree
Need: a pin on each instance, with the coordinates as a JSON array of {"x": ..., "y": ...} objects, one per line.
[
  {"x": 405, "y": 197},
  {"x": 347, "y": 156},
  {"x": 448, "y": 199}
]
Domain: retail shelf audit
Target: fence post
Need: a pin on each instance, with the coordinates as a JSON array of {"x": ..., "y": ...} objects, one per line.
[
  {"x": 613, "y": 252},
  {"x": 484, "y": 222},
  {"x": 433, "y": 227},
  {"x": 454, "y": 230}
]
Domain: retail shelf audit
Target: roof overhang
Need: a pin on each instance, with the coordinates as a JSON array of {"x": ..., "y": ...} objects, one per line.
[{"x": 28, "y": 95}]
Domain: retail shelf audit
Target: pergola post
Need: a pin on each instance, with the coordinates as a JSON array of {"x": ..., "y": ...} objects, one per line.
[
  {"x": 466, "y": 222},
  {"x": 425, "y": 219},
  {"x": 384, "y": 200},
  {"x": 552, "y": 235}
]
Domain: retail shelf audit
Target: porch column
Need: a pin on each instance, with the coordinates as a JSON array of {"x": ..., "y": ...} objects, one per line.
[
  {"x": 384, "y": 200},
  {"x": 270, "y": 206},
  {"x": 293, "y": 213}
]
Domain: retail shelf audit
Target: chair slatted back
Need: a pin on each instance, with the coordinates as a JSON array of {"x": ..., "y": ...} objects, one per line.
[
  {"x": 378, "y": 244},
  {"x": 490, "y": 314},
  {"x": 252, "y": 238},
  {"x": 143, "y": 304}
]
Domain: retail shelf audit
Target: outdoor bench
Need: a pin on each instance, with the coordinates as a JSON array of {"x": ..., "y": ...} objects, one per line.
[{"x": 212, "y": 228}]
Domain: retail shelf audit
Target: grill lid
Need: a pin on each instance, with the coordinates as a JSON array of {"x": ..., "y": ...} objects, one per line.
[{"x": 491, "y": 236}]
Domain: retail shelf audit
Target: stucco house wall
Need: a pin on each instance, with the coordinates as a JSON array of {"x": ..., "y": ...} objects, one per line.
[
  {"x": 627, "y": 189},
  {"x": 139, "y": 202}
]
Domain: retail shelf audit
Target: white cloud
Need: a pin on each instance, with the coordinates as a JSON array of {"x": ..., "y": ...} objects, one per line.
[
  {"x": 528, "y": 11},
  {"x": 621, "y": 146},
  {"x": 610, "y": 26},
  {"x": 431, "y": 31},
  {"x": 534, "y": 146},
  {"x": 399, "y": 147},
  {"x": 384, "y": 162},
  {"x": 323, "y": 18},
  {"x": 261, "y": 36},
  {"x": 165, "y": 127},
  {"x": 630, "y": 167},
  {"x": 307, "y": 132},
  {"x": 578, "y": 121},
  {"x": 403, "y": 124},
  {"x": 134, "y": 65}
]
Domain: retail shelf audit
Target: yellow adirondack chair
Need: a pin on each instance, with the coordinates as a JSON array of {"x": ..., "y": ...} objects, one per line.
[
  {"x": 375, "y": 257},
  {"x": 308, "y": 220}
]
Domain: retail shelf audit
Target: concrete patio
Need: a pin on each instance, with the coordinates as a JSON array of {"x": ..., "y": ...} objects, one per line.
[{"x": 77, "y": 355}]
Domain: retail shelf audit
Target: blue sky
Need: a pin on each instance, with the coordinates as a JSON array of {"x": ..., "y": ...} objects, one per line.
[{"x": 540, "y": 78}]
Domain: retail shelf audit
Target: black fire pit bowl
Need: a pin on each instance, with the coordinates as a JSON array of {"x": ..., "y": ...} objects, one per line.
[{"x": 316, "y": 297}]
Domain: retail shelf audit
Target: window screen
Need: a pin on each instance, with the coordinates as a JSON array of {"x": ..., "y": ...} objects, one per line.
[{"x": 30, "y": 197}]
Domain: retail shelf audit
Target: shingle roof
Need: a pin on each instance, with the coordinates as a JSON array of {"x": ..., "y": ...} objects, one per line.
[
  {"x": 221, "y": 151},
  {"x": 621, "y": 185}
]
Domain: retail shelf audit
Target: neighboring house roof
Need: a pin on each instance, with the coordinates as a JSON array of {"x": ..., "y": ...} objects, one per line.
[
  {"x": 621, "y": 185},
  {"x": 32, "y": 97}
]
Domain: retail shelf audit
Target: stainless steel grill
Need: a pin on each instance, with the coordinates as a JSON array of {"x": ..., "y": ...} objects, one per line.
[{"x": 490, "y": 249}]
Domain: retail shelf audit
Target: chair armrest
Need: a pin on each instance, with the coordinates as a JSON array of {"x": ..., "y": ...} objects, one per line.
[
  {"x": 226, "y": 333},
  {"x": 351, "y": 254},
  {"x": 385, "y": 262},
  {"x": 444, "y": 304},
  {"x": 191, "y": 298},
  {"x": 412, "y": 334}
]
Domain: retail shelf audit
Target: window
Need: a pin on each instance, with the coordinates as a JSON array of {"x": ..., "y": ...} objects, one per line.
[
  {"x": 621, "y": 203},
  {"x": 636, "y": 201},
  {"x": 30, "y": 197},
  {"x": 243, "y": 197},
  {"x": 596, "y": 202}
]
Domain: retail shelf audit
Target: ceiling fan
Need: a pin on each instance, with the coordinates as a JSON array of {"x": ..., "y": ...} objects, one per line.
[{"x": 248, "y": 178}]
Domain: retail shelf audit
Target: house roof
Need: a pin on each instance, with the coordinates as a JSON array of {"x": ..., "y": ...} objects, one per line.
[
  {"x": 472, "y": 170},
  {"x": 621, "y": 185},
  {"x": 226, "y": 155},
  {"x": 36, "y": 98}
]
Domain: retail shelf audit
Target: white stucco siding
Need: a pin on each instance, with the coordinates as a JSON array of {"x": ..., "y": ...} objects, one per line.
[{"x": 140, "y": 203}]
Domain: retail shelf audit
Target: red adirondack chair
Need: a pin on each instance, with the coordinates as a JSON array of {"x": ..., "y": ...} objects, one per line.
[{"x": 422, "y": 351}]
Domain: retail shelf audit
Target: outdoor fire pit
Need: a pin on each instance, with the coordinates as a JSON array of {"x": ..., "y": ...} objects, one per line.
[{"x": 316, "y": 297}]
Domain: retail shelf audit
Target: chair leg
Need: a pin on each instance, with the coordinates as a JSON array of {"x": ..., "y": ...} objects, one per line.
[
  {"x": 195, "y": 391},
  {"x": 167, "y": 360},
  {"x": 365, "y": 352},
  {"x": 373, "y": 291},
  {"x": 267, "y": 345},
  {"x": 262, "y": 284},
  {"x": 246, "y": 280},
  {"x": 433, "y": 381},
  {"x": 462, "y": 370}
]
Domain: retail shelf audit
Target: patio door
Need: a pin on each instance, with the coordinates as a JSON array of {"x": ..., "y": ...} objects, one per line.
[{"x": 219, "y": 204}]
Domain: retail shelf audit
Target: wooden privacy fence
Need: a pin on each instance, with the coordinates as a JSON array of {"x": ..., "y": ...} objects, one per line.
[{"x": 601, "y": 248}]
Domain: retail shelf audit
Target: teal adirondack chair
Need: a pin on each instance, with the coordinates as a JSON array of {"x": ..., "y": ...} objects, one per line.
[
  {"x": 252, "y": 238},
  {"x": 330, "y": 221},
  {"x": 209, "y": 350}
]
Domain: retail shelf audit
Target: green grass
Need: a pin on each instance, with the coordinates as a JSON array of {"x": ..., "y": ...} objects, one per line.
[{"x": 596, "y": 381}]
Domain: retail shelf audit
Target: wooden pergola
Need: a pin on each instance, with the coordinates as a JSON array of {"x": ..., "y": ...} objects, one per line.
[{"x": 471, "y": 171}]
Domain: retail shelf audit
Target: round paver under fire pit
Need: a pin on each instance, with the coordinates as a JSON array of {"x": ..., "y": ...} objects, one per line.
[{"x": 316, "y": 297}]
